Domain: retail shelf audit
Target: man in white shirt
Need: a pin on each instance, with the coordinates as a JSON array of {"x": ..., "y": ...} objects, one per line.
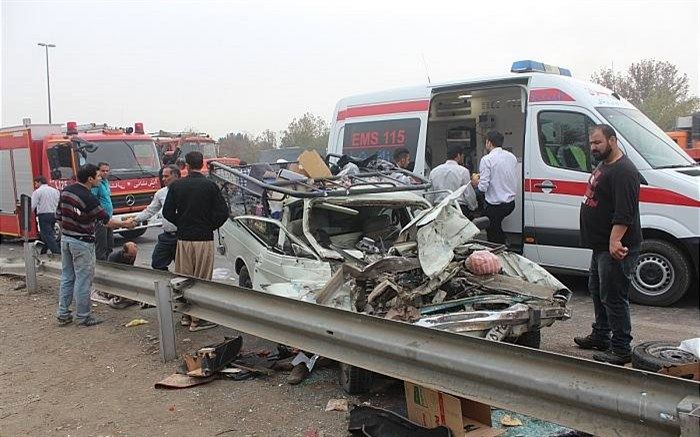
[
  {"x": 498, "y": 180},
  {"x": 44, "y": 202},
  {"x": 164, "y": 251},
  {"x": 452, "y": 175}
]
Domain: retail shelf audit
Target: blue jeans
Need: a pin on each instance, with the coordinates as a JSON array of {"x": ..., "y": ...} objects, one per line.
[
  {"x": 46, "y": 231},
  {"x": 77, "y": 271},
  {"x": 164, "y": 252},
  {"x": 609, "y": 284}
]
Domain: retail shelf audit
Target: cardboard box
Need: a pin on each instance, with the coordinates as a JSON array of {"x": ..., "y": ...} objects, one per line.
[
  {"x": 431, "y": 408},
  {"x": 313, "y": 165},
  {"x": 687, "y": 371}
]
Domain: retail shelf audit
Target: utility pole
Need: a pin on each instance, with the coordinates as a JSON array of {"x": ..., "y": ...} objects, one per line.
[{"x": 48, "y": 81}]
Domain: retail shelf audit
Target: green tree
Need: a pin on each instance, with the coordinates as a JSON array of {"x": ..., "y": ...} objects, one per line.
[
  {"x": 657, "y": 88},
  {"x": 307, "y": 131}
]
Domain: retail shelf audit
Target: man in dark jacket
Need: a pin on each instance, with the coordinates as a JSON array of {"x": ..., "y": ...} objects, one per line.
[
  {"x": 610, "y": 226},
  {"x": 196, "y": 206}
]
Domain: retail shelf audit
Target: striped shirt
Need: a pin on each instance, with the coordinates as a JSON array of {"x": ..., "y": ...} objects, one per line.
[{"x": 78, "y": 210}]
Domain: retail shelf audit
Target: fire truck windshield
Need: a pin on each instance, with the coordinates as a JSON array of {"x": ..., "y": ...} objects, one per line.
[
  {"x": 130, "y": 158},
  {"x": 208, "y": 150}
]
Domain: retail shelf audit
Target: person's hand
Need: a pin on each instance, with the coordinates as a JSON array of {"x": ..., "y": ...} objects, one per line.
[
  {"x": 129, "y": 223},
  {"x": 617, "y": 250},
  {"x": 114, "y": 224},
  {"x": 475, "y": 179}
]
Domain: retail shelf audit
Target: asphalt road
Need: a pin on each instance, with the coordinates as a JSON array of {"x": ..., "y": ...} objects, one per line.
[{"x": 675, "y": 323}]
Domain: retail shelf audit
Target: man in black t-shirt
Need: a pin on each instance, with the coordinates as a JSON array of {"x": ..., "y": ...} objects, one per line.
[{"x": 610, "y": 226}]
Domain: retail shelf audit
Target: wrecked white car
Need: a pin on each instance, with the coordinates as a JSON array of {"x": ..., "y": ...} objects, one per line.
[{"x": 372, "y": 244}]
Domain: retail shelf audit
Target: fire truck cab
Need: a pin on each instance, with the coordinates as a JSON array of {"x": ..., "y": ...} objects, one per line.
[
  {"x": 174, "y": 145},
  {"x": 34, "y": 150}
]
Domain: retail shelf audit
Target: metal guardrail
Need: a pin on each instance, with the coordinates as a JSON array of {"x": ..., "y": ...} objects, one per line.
[{"x": 598, "y": 398}]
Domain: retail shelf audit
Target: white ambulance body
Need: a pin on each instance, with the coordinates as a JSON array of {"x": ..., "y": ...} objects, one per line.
[{"x": 545, "y": 116}]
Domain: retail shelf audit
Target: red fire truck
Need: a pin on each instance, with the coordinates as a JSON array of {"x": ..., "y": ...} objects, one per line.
[
  {"x": 47, "y": 150},
  {"x": 174, "y": 145}
]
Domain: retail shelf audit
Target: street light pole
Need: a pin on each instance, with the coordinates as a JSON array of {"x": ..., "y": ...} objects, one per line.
[{"x": 48, "y": 82}]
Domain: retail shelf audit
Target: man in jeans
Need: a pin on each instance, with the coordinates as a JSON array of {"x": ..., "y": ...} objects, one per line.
[
  {"x": 164, "y": 251},
  {"x": 610, "y": 226},
  {"x": 104, "y": 237},
  {"x": 45, "y": 202},
  {"x": 196, "y": 206},
  {"x": 77, "y": 213}
]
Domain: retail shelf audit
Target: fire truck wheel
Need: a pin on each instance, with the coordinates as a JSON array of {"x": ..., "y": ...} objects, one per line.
[
  {"x": 133, "y": 234},
  {"x": 662, "y": 274}
]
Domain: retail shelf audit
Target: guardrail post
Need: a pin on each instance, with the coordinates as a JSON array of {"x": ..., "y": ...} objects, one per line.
[
  {"x": 166, "y": 325},
  {"x": 29, "y": 267},
  {"x": 25, "y": 227},
  {"x": 689, "y": 416}
]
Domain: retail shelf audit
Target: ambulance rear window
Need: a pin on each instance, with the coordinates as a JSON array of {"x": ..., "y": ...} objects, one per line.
[{"x": 365, "y": 138}]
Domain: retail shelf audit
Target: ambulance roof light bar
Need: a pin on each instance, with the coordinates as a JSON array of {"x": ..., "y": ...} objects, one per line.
[{"x": 529, "y": 66}]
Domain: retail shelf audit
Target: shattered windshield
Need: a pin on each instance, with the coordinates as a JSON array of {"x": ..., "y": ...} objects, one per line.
[
  {"x": 655, "y": 146},
  {"x": 125, "y": 156},
  {"x": 208, "y": 150}
]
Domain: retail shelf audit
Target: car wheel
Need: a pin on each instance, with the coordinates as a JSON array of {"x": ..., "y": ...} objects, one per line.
[
  {"x": 244, "y": 278},
  {"x": 655, "y": 355},
  {"x": 531, "y": 339},
  {"x": 662, "y": 274},
  {"x": 133, "y": 234},
  {"x": 355, "y": 380}
]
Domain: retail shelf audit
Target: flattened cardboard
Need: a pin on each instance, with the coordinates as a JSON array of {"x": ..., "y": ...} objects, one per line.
[
  {"x": 313, "y": 165},
  {"x": 431, "y": 408}
]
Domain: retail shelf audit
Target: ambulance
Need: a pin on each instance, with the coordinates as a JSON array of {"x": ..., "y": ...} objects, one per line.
[{"x": 545, "y": 115}]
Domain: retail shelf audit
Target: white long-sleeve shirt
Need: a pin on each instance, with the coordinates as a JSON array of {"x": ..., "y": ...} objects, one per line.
[
  {"x": 450, "y": 176},
  {"x": 154, "y": 208},
  {"x": 45, "y": 199},
  {"x": 498, "y": 176}
]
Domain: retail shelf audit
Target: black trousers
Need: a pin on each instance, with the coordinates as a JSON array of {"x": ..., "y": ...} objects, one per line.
[
  {"x": 47, "y": 221},
  {"x": 164, "y": 252},
  {"x": 496, "y": 214},
  {"x": 104, "y": 242}
]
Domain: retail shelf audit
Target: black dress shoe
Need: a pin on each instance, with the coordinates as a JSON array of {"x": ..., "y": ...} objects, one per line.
[
  {"x": 613, "y": 357},
  {"x": 590, "y": 342}
]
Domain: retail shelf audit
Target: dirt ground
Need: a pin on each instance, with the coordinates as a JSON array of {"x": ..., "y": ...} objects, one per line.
[{"x": 70, "y": 381}]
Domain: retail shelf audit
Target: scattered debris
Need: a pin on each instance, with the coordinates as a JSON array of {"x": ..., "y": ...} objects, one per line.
[
  {"x": 136, "y": 322},
  {"x": 177, "y": 380},
  {"x": 377, "y": 422},
  {"x": 337, "y": 405},
  {"x": 211, "y": 359},
  {"x": 508, "y": 420}
]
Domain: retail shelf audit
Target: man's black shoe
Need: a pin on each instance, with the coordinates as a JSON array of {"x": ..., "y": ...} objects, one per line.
[
  {"x": 613, "y": 357},
  {"x": 590, "y": 342}
]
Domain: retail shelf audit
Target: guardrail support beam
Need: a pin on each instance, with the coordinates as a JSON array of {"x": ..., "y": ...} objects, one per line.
[
  {"x": 30, "y": 267},
  {"x": 166, "y": 324}
]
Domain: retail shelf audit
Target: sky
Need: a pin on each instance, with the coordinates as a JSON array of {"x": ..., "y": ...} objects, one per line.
[{"x": 248, "y": 66}]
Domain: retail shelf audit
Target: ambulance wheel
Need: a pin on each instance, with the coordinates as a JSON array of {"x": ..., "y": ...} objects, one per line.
[
  {"x": 355, "y": 380},
  {"x": 133, "y": 234},
  {"x": 244, "y": 278},
  {"x": 662, "y": 274}
]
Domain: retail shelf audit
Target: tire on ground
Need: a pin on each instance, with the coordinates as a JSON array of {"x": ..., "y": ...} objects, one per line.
[
  {"x": 654, "y": 355},
  {"x": 662, "y": 274},
  {"x": 355, "y": 380}
]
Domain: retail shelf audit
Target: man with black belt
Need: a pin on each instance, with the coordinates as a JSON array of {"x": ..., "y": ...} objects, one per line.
[
  {"x": 164, "y": 251},
  {"x": 498, "y": 180},
  {"x": 77, "y": 213},
  {"x": 610, "y": 225},
  {"x": 196, "y": 206}
]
